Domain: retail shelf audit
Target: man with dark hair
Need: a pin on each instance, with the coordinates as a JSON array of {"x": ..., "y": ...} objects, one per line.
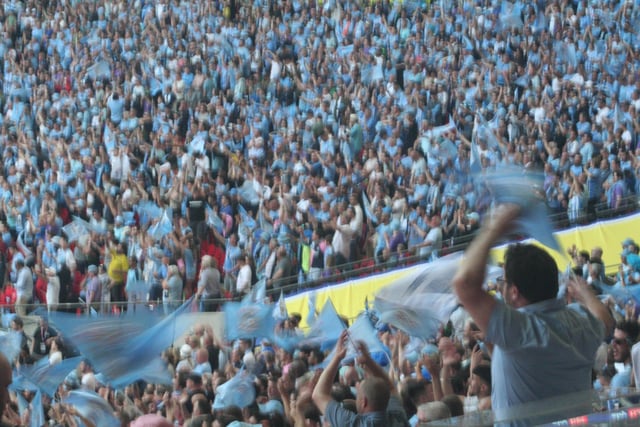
[
  {"x": 624, "y": 336},
  {"x": 377, "y": 402},
  {"x": 543, "y": 347}
]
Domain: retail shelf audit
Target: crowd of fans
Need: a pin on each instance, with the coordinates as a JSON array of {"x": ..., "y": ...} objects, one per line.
[{"x": 157, "y": 149}]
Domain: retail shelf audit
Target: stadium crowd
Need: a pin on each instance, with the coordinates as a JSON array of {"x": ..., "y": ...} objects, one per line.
[{"x": 155, "y": 150}]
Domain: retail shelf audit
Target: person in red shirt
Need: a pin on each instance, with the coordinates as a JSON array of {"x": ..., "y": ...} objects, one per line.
[{"x": 8, "y": 297}]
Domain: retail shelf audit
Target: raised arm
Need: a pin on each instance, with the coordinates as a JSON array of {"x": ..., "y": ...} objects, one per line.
[{"x": 468, "y": 281}]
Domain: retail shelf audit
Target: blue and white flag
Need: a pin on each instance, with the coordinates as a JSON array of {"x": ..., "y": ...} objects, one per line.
[
  {"x": 367, "y": 208},
  {"x": 238, "y": 391},
  {"x": 280, "y": 309},
  {"x": 512, "y": 185},
  {"x": 10, "y": 343},
  {"x": 327, "y": 327},
  {"x": 34, "y": 408},
  {"x": 422, "y": 302},
  {"x": 161, "y": 228},
  {"x": 48, "y": 377},
  {"x": 248, "y": 320},
  {"x": 148, "y": 211},
  {"x": 92, "y": 407},
  {"x": 213, "y": 220}
]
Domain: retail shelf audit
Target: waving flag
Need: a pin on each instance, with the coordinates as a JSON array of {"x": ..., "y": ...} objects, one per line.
[
  {"x": 48, "y": 377},
  {"x": 247, "y": 220},
  {"x": 360, "y": 330},
  {"x": 367, "y": 208},
  {"x": 92, "y": 407},
  {"x": 10, "y": 343},
  {"x": 311, "y": 305},
  {"x": 280, "y": 309},
  {"x": 74, "y": 231},
  {"x": 34, "y": 408},
  {"x": 213, "y": 220},
  {"x": 148, "y": 211},
  {"x": 238, "y": 391},
  {"x": 421, "y": 303},
  {"x": 258, "y": 293},
  {"x": 136, "y": 341},
  {"x": 327, "y": 327},
  {"x": 511, "y": 185},
  {"x": 248, "y": 320},
  {"x": 438, "y": 131},
  {"x": 161, "y": 228}
]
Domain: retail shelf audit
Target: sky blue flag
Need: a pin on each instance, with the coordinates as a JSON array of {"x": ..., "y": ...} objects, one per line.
[
  {"x": 258, "y": 293},
  {"x": 238, "y": 391},
  {"x": 74, "y": 230},
  {"x": 438, "y": 131},
  {"x": 161, "y": 228},
  {"x": 6, "y": 319},
  {"x": 36, "y": 411},
  {"x": 622, "y": 294},
  {"x": 264, "y": 225},
  {"x": 197, "y": 144},
  {"x": 10, "y": 344},
  {"x": 99, "y": 70},
  {"x": 247, "y": 219},
  {"x": 420, "y": 303},
  {"x": 213, "y": 220},
  {"x": 87, "y": 225},
  {"x": 48, "y": 377},
  {"x": 248, "y": 320},
  {"x": 510, "y": 16},
  {"x": 248, "y": 193},
  {"x": 311, "y": 305},
  {"x": 485, "y": 132},
  {"x": 93, "y": 407},
  {"x": 134, "y": 340},
  {"x": 148, "y": 211},
  {"x": 367, "y": 208},
  {"x": 360, "y": 330},
  {"x": 280, "y": 308},
  {"x": 327, "y": 327},
  {"x": 511, "y": 185}
]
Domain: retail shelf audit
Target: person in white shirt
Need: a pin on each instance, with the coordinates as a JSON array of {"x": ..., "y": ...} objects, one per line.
[
  {"x": 24, "y": 287},
  {"x": 243, "y": 281}
]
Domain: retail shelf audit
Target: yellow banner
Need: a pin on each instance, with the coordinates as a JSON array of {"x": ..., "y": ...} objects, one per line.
[{"x": 349, "y": 297}]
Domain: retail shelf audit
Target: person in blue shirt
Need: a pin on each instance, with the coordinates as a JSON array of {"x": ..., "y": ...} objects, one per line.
[{"x": 542, "y": 346}]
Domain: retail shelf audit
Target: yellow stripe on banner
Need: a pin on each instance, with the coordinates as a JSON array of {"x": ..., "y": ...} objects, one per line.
[
  {"x": 348, "y": 297},
  {"x": 606, "y": 234}
]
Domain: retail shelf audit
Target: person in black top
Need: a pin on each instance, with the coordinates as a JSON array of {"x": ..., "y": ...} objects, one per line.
[{"x": 43, "y": 336}]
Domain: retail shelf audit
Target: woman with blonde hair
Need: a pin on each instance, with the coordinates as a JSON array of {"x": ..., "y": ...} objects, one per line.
[
  {"x": 209, "y": 284},
  {"x": 172, "y": 289}
]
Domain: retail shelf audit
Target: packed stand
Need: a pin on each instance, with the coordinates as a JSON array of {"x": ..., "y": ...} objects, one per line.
[
  {"x": 340, "y": 134},
  {"x": 153, "y": 151}
]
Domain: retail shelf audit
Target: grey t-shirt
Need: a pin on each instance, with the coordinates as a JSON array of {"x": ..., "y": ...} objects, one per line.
[{"x": 394, "y": 416}]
